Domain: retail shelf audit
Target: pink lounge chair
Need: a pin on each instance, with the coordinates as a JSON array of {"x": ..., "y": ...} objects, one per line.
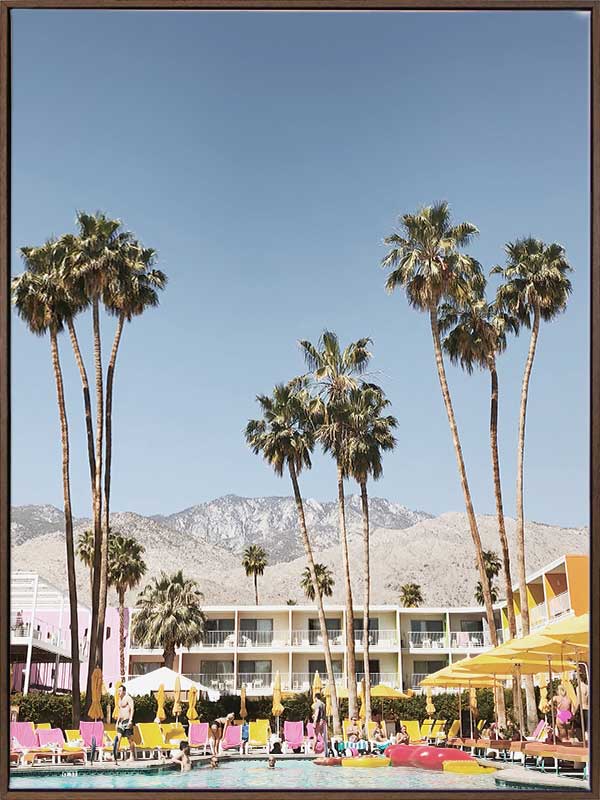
[
  {"x": 310, "y": 734},
  {"x": 94, "y": 731},
  {"x": 55, "y": 739},
  {"x": 293, "y": 735},
  {"x": 232, "y": 739},
  {"x": 23, "y": 736},
  {"x": 537, "y": 731},
  {"x": 198, "y": 736}
]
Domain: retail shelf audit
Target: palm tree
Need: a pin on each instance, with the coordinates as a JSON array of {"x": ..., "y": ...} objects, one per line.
[
  {"x": 369, "y": 433},
  {"x": 479, "y": 593},
  {"x": 285, "y": 437},
  {"x": 476, "y": 335},
  {"x": 169, "y": 615},
  {"x": 427, "y": 262},
  {"x": 129, "y": 294},
  {"x": 44, "y": 306},
  {"x": 325, "y": 582},
  {"x": 254, "y": 561},
  {"x": 410, "y": 595},
  {"x": 536, "y": 288},
  {"x": 85, "y": 551},
  {"x": 493, "y": 565},
  {"x": 126, "y": 569},
  {"x": 335, "y": 372},
  {"x": 93, "y": 259}
]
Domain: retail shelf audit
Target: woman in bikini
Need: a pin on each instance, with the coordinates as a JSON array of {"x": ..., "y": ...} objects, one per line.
[
  {"x": 564, "y": 713},
  {"x": 217, "y": 730}
]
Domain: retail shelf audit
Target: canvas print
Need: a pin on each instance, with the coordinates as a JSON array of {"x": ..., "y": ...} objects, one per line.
[{"x": 300, "y": 400}]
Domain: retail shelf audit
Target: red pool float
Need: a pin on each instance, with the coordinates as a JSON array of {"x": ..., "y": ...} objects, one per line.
[{"x": 423, "y": 756}]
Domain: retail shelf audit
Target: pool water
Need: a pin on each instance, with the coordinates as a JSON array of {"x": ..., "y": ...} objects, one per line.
[{"x": 254, "y": 774}]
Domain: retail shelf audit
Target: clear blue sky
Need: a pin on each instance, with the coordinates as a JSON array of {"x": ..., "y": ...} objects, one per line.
[{"x": 265, "y": 156}]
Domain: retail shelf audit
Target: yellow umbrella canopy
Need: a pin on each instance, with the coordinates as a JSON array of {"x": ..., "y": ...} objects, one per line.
[
  {"x": 453, "y": 677},
  {"x": 316, "y": 685},
  {"x": 160, "y": 704},
  {"x": 342, "y": 692},
  {"x": 328, "y": 709},
  {"x": 277, "y": 708},
  {"x": 95, "y": 709},
  {"x": 501, "y": 661},
  {"x": 115, "y": 713},
  {"x": 388, "y": 692},
  {"x": 571, "y": 630},
  {"x": 243, "y": 710},
  {"x": 177, "y": 697},
  {"x": 429, "y": 707},
  {"x": 191, "y": 713},
  {"x": 362, "y": 712}
]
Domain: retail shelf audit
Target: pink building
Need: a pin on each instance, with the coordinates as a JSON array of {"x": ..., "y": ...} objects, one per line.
[{"x": 40, "y": 639}]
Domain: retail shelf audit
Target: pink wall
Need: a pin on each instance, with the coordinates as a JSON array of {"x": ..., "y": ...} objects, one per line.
[{"x": 46, "y": 626}]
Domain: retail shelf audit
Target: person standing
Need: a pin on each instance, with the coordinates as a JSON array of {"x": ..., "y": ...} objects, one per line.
[
  {"x": 320, "y": 722},
  {"x": 124, "y": 722}
]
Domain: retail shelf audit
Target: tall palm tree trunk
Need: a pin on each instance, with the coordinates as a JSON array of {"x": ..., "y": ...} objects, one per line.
[
  {"x": 366, "y": 598},
  {"x": 529, "y": 688},
  {"x": 512, "y": 627},
  {"x": 110, "y": 375},
  {"x": 256, "y": 588},
  {"x": 87, "y": 405},
  {"x": 169, "y": 655},
  {"x": 122, "y": 634},
  {"x": 485, "y": 585},
  {"x": 72, "y": 579},
  {"x": 350, "y": 647},
  {"x": 96, "y": 645},
  {"x": 319, "y": 599}
]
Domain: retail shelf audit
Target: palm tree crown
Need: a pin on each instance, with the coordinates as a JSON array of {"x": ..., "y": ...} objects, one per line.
[
  {"x": 535, "y": 279},
  {"x": 169, "y": 614},
  {"x": 325, "y": 582},
  {"x": 368, "y": 432},
  {"x": 126, "y": 563},
  {"x": 426, "y": 260},
  {"x": 410, "y": 595},
  {"x": 334, "y": 369}
]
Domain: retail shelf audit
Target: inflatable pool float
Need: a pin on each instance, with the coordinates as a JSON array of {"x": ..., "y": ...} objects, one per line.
[
  {"x": 466, "y": 767},
  {"x": 425, "y": 757},
  {"x": 328, "y": 762},
  {"x": 366, "y": 761}
]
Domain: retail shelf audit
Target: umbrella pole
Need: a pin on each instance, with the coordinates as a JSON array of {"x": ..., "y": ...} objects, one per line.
[
  {"x": 552, "y": 702},
  {"x": 579, "y": 697},
  {"x": 470, "y": 711},
  {"x": 497, "y": 689},
  {"x": 460, "y": 710}
]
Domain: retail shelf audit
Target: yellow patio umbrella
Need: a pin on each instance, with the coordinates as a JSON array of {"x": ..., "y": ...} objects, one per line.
[
  {"x": 243, "y": 710},
  {"x": 362, "y": 711},
  {"x": 317, "y": 686},
  {"x": 542, "y": 681},
  {"x": 277, "y": 708},
  {"x": 429, "y": 707},
  {"x": 328, "y": 709},
  {"x": 177, "y": 698},
  {"x": 115, "y": 713},
  {"x": 342, "y": 692},
  {"x": 388, "y": 692},
  {"x": 160, "y": 704},
  {"x": 571, "y": 630},
  {"x": 191, "y": 713},
  {"x": 95, "y": 709}
]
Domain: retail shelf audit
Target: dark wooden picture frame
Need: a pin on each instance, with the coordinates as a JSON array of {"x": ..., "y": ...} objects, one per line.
[{"x": 6, "y": 6}]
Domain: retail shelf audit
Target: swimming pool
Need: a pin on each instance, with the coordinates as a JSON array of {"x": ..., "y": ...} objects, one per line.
[{"x": 254, "y": 774}]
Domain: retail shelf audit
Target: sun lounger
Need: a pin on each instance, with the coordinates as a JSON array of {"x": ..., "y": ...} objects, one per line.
[
  {"x": 453, "y": 731},
  {"x": 92, "y": 734},
  {"x": 23, "y": 736},
  {"x": 151, "y": 739},
  {"x": 62, "y": 750},
  {"x": 413, "y": 728},
  {"x": 426, "y": 728},
  {"x": 109, "y": 736},
  {"x": 232, "y": 739},
  {"x": 258, "y": 735},
  {"x": 15, "y": 758},
  {"x": 173, "y": 732},
  {"x": 437, "y": 731},
  {"x": 293, "y": 735},
  {"x": 198, "y": 736},
  {"x": 559, "y": 754}
]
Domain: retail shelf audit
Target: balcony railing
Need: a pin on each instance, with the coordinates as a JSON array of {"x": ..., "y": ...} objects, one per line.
[
  {"x": 222, "y": 681},
  {"x": 39, "y": 631},
  {"x": 218, "y": 639},
  {"x": 416, "y": 678},
  {"x": 560, "y": 604},
  {"x": 302, "y": 681},
  {"x": 467, "y": 640},
  {"x": 255, "y": 638},
  {"x": 383, "y": 638},
  {"x": 427, "y": 639},
  {"x": 255, "y": 680},
  {"x": 538, "y": 615},
  {"x": 386, "y": 678},
  {"x": 306, "y": 638}
]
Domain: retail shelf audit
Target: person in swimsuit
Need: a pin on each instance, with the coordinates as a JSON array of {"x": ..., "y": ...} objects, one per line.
[
  {"x": 182, "y": 757},
  {"x": 214, "y": 762},
  {"x": 320, "y": 722},
  {"x": 354, "y": 728},
  {"x": 402, "y": 736},
  {"x": 217, "y": 731},
  {"x": 564, "y": 713},
  {"x": 124, "y": 722}
]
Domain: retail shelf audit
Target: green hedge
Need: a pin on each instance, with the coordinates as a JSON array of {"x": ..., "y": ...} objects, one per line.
[{"x": 56, "y": 709}]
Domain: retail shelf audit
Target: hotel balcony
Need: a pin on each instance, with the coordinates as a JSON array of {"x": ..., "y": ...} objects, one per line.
[
  {"x": 416, "y": 678},
  {"x": 427, "y": 640},
  {"x": 306, "y": 638},
  {"x": 538, "y": 616},
  {"x": 559, "y": 605},
  {"x": 384, "y": 639}
]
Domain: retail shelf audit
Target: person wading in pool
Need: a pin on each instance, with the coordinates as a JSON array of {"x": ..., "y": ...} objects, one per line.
[
  {"x": 182, "y": 757},
  {"x": 320, "y": 722},
  {"x": 124, "y": 722}
]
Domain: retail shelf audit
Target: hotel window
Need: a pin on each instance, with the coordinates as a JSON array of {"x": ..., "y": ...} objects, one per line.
[
  {"x": 216, "y": 667},
  {"x": 334, "y": 629},
  {"x": 257, "y": 632},
  {"x": 314, "y": 665},
  {"x": 373, "y": 629}
]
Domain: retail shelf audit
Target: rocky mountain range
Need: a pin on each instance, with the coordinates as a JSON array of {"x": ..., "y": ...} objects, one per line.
[{"x": 207, "y": 540}]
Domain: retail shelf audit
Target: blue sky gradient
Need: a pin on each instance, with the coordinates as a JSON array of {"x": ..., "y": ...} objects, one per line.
[{"x": 265, "y": 156}]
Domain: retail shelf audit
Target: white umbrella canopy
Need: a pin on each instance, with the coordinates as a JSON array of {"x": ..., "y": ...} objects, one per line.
[{"x": 150, "y": 682}]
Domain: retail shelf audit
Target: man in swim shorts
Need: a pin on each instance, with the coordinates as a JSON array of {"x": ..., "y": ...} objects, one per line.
[{"x": 124, "y": 722}]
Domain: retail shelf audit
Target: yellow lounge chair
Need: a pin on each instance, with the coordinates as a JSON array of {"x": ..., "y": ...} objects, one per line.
[
  {"x": 437, "y": 731},
  {"x": 481, "y": 725},
  {"x": 44, "y": 725},
  {"x": 258, "y": 735},
  {"x": 173, "y": 732},
  {"x": 454, "y": 730},
  {"x": 413, "y": 728},
  {"x": 151, "y": 739},
  {"x": 426, "y": 727},
  {"x": 110, "y": 734}
]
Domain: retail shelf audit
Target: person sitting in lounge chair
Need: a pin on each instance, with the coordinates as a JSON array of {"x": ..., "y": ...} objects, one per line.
[{"x": 402, "y": 736}]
